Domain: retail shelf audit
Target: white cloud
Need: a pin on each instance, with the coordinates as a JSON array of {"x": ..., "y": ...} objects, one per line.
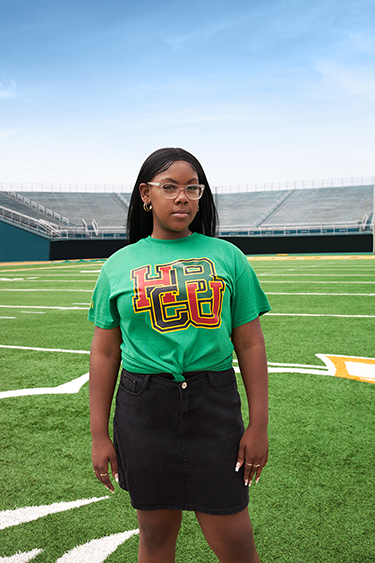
[
  {"x": 339, "y": 81},
  {"x": 8, "y": 90},
  {"x": 207, "y": 30}
]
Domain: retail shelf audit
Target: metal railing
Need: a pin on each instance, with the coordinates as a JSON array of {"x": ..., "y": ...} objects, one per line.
[
  {"x": 70, "y": 188},
  {"x": 19, "y": 219},
  {"x": 296, "y": 185},
  {"x": 37, "y": 207},
  {"x": 56, "y": 232},
  {"x": 219, "y": 189},
  {"x": 302, "y": 231}
]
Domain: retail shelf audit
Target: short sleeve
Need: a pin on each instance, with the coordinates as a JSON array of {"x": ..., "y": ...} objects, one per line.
[
  {"x": 103, "y": 309},
  {"x": 249, "y": 300}
]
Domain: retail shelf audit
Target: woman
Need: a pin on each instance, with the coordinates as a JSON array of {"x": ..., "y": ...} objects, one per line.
[{"x": 171, "y": 306}]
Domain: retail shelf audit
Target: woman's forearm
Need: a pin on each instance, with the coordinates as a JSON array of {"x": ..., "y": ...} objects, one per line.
[
  {"x": 104, "y": 365},
  {"x": 250, "y": 350}
]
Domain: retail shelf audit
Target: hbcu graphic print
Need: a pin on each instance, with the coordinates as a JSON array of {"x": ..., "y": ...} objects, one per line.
[{"x": 179, "y": 294}]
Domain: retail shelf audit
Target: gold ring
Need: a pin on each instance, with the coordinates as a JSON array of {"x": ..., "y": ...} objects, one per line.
[
  {"x": 103, "y": 474},
  {"x": 256, "y": 464},
  {"x": 249, "y": 464}
]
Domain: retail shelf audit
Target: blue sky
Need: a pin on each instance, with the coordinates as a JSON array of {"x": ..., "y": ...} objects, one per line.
[{"x": 261, "y": 91}]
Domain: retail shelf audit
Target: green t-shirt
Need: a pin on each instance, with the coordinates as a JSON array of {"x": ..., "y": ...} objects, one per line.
[{"x": 176, "y": 302}]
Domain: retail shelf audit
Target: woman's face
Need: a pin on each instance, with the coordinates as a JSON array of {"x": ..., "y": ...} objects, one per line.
[{"x": 172, "y": 217}]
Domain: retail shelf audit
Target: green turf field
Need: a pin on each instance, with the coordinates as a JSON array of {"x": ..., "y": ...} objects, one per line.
[{"x": 315, "y": 500}]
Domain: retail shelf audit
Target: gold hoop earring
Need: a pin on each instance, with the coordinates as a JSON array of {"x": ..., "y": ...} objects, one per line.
[
  {"x": 197, "y": 208},
  {"x": 147, "y": 207}
]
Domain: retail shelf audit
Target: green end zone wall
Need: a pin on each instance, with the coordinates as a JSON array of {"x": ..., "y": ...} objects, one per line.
[
  {"x": 309, "y": 244},
  {"x": 20, "y": 245},
  {"x": 73, "y": 249}
]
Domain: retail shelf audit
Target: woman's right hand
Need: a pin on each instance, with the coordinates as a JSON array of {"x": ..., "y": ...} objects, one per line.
[{"x": 103, "y": 452}]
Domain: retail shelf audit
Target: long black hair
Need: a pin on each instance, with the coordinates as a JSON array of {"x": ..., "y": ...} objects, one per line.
[{"x": 140, "y": 223}]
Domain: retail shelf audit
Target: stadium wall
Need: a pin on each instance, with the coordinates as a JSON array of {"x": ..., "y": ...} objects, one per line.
[
  {"x": 319, "y": 244},
  {"x": 73, "y": 249},
  {"x": 20, "y": 245}
]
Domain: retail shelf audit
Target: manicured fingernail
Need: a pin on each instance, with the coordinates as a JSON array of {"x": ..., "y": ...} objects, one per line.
[
  {"x": 257, "y": 480},
  {"x": 116, "y": 477},
  {"x": 113, "y": 492},
  {"x": 250, "y": 483},
  {"x": 238, "y": 465},
  {"x": 246, "y": 482}
]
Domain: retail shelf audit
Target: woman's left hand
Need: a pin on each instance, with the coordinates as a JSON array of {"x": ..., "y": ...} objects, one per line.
[{"x": 252, "y": 453}]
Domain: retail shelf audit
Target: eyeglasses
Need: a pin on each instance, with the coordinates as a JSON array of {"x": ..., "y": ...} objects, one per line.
[{"x": 170, "y": 191}]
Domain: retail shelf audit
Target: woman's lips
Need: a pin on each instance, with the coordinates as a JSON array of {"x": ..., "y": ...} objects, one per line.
[{"x": 180, "y": 213}]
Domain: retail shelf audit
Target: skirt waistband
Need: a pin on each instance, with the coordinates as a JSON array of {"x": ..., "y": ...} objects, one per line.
[
  {"x": 186, "y": 374},
  {"x": 194, "y": 377}
]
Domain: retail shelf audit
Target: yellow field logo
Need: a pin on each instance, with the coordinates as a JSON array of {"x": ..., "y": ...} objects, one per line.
[{"x": 350, "y": 367}]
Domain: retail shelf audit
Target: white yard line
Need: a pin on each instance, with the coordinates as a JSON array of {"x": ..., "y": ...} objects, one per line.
[
  {"x": 72, "y": 290},
  {"x": 42, "y": 307},
  {"x": 18, "y": 516},
  {"x": 7, "y": 317},
  {"x": 313, "y": 281},
  {"x": 329, "y": 294},
  {"x": 98, "y": 550},
  {"x": 61, "y": 281},
  {"x": 321, "y": 315},
  {"x": 313, "y": 275},
  {"x": 34, "y": 312},
  {"x": 45, "y": 349},
  {"x": 73, "y": 386},
  {"x": 287, "y": 365},
  {"x": 21, "y": 557}
]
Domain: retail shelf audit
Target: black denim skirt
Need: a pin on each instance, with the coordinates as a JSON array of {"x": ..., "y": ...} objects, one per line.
[{"x": 177, "y": 442}]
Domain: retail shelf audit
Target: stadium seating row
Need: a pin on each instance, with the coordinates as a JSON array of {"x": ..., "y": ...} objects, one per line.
[{"x": 350, "y": 206}]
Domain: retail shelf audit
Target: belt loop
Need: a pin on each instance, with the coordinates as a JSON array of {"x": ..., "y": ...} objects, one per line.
[
  {"x": 146, "y": 380},
  {"x": 212, "y": 380}
]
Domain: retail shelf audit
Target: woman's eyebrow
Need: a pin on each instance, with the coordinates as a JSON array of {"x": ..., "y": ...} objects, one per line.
[{"x": 193, "y": 181}]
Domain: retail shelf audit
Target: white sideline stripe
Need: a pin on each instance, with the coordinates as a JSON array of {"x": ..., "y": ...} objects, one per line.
[
  {"x": 41, "y": 307},
  {"x": 29, "y": 513},
  {"x": 309, "y": 282},
  {"x": 329, "y": 294},
  {"x": 85, "y": 290},
  {"x": 96, "y": 551},
  {"x": 63, "y": 281},
  {"x": 7, "y": 317},
  {"x": 45, "y": 349},
  {"x": 286, "y": 369},
  {"x": 34, "y": 312},
  {"x": 313, "y": 275},
  {"x": 321, "y": 315},
  {"x": 70, "y": 387},
  {"x": 296, "y": 365},
  {"x": 311, "y": 270},
  {"x": 291, "y": 365},
  {"x": 21, "y": 557},
  {"x": 41, "y": 280}
]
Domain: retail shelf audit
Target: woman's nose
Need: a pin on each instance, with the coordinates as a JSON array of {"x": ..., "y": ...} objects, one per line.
[{"x": 181, "y": 196}]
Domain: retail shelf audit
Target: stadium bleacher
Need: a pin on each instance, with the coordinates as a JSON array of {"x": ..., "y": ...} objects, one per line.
[
  {"x": 243, "y": 210},
  {"x": 323, "y": 206},
  {"x": 242, "y": 213},
  {"x": 17, "y": 205},
  {"x": 106, "y": 208}
]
